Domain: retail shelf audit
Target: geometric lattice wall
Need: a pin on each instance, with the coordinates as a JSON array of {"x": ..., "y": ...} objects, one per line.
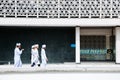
[
  {"x": 7, "y": 8},
  {"x": 69, "y": 8},
  {"x": 60, "y": 8},
  {"x": 106, "y": 8},
  {"x": 48, "y": 8},
  {"x": 90, "y": 8},
  {"x": 116, "y": 9},
  {"x": 26, "y": 8}
]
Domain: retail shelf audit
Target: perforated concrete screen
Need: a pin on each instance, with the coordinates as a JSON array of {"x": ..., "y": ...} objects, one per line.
[{"x": 60, "y": 8}]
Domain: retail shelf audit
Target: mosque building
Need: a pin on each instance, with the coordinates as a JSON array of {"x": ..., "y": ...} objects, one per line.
[{"x": 73, "y": 30}]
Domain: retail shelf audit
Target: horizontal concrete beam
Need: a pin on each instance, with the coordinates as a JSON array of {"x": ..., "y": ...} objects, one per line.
[{"x": 59, "y": 22}]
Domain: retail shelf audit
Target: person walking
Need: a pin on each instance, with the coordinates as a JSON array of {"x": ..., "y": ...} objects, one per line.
[
  {"x": 44, "y": 58},
  {"x": 17, "y": 55},
  {"x": 35, "y": 55}
]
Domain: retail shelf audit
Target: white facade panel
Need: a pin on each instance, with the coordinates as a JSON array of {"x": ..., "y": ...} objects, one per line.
[
  {"x": 59, "y": 22},
  {"x": 117, "y": 44},
  {"x": 77, "y": 42}
]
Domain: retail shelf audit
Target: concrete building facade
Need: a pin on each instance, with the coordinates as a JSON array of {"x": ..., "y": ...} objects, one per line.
[{"x": 73, "y": 30}]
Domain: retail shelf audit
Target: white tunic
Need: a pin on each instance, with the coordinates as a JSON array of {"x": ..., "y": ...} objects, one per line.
[
  {"x": 43, "y": 58},
  {"x": 35, "y": 56},
  {"x": 17, "y": 58}
]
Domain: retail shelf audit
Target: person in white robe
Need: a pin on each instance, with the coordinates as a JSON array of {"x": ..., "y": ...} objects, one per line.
[
  {"x": 17, "y": 55},
  {"x": 44, "y": 58},
  {"x": 35, "y": 55},
  {"x": 32, "y": 55}
]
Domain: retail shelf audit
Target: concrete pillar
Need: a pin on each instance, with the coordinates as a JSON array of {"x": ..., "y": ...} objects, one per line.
[
  {"x": 117, "y": 44},
  {"x": 108, "y": 46},
  {"x": 77, "y": 42},
  {"x": 107, "y": 41}
]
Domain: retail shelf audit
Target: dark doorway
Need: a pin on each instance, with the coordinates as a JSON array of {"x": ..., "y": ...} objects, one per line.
[{"x": 57, "y": 39}]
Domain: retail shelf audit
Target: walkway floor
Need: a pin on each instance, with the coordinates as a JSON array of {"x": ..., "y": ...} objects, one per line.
[{"x": 65, "y": 67}]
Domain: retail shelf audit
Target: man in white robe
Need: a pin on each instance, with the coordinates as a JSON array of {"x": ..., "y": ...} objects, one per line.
[
  {"x": 44, "y": 58},
  {"x": 32, "y": 55},
  {"x": 17, "y": 55},
  {"x": 35, "y": 56}
]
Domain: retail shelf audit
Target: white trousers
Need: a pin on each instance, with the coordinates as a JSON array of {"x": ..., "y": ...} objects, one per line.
[
  {"x": 35, "y": 60},
  {"x": 17, "y": 62},
  {"x": 44, "y": 63}
]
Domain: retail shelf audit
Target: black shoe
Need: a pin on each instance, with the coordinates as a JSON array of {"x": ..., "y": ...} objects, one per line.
[
  {"x": 38, "y": 65},
  {"x": 32, "y": 64}
]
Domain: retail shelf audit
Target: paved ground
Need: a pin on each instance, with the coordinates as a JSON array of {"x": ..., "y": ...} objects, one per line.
[
  {"x": 61, "y": 76},
  {"x": 66, "y": 67}
]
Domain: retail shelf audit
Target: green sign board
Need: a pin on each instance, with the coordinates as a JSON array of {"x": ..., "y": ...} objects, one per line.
[{"x": 93, "y": 51}]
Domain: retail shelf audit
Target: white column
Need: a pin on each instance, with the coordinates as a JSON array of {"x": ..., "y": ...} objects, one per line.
[
  {"x": 108, "y": 46},
  {"x": 107, "y": 41},
  {"x": 77, "y": 42},
  {"x": 117, "y": 44}
]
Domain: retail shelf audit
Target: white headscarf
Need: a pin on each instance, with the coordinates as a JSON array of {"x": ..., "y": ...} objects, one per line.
[
  {"x": 36, "y": 45},
  {"x": 18, "y": 44},
  {"x": 43, "y": 46},
  {"x": 33, "y": 46}
]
